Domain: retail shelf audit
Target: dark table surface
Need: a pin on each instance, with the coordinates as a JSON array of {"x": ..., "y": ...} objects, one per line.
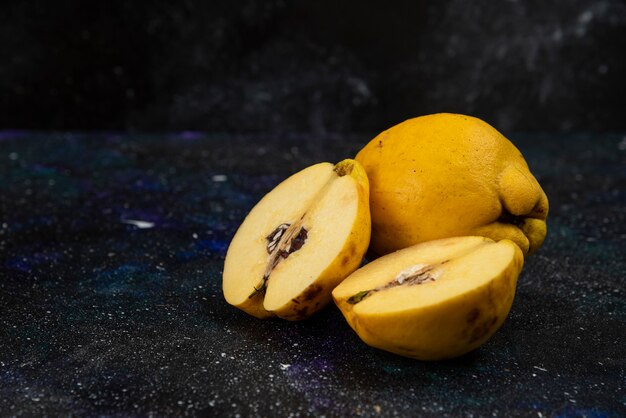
[{"x": 112, "y": 248}]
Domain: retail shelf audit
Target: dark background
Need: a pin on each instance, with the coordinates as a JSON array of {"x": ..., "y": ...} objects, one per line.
[
  {"x": 99, "y": 317},
  {"x": 311, "y": 66}
]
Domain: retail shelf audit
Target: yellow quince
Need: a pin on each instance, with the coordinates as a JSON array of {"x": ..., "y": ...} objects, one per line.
[
  {"x": 435, "y": 300},
  {"x": 447, "y": 175},
  {"x": 299, "y": 242}
]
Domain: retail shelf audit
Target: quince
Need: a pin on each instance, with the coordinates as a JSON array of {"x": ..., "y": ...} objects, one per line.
[
  {"x": 299, "y": 242},
  {"x": 435, "y": 300},
  {"x": 447, "y": 175}
]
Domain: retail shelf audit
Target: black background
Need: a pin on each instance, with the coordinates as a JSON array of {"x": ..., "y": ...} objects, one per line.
[
  {"x": 311, "y": 66},
  {"x": 99, "y": 317}
]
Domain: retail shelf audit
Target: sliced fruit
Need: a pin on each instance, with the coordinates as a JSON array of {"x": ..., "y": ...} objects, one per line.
[
  {"x": 435, "y": 300},
  {"x": 299, "y": 242}
]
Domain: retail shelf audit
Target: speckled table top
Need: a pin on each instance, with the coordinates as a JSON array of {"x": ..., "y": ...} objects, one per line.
[{"x": 111, "y": 253}]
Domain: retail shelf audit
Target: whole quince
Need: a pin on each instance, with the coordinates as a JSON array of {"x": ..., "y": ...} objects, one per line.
[{"x": 447, "y": 175}]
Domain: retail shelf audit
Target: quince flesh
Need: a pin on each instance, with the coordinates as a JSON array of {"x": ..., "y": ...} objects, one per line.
[
  {"x": 299, "y": 242},
  {"x": 447, "y": 175},
  {"x": 435, "y": 300}
]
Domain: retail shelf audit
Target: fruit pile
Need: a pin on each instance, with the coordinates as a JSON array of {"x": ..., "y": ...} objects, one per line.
[{"x": 447, "y": 207}]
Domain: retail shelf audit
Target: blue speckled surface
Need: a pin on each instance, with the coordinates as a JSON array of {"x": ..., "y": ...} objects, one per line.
[{"x": 110, "y": 298}]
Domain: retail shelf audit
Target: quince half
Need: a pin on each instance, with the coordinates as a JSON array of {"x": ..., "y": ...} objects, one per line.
[
  {"x": 435, "y": 300},
  {"x": 299, "y": 242},
  {"x": 448, "y": 175}
]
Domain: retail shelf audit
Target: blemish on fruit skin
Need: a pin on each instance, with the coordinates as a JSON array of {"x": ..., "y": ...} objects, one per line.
[
  {"x": 311, "y": 292},
  {"x": 350, "y": 252},
  {"x": 302, "y": 312},
  {"x": 478, "y": 333},
  {"x": 481, "y": 330},
  {"x": 473, "y": 315},
  {"x": 490, "y": 299},
  {"x": 344, "y": 168}
]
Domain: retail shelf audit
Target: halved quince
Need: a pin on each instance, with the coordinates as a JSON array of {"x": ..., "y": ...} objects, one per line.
[
  {"x": 300, "y": 241},
  {"x": 435, "y": 300}
]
